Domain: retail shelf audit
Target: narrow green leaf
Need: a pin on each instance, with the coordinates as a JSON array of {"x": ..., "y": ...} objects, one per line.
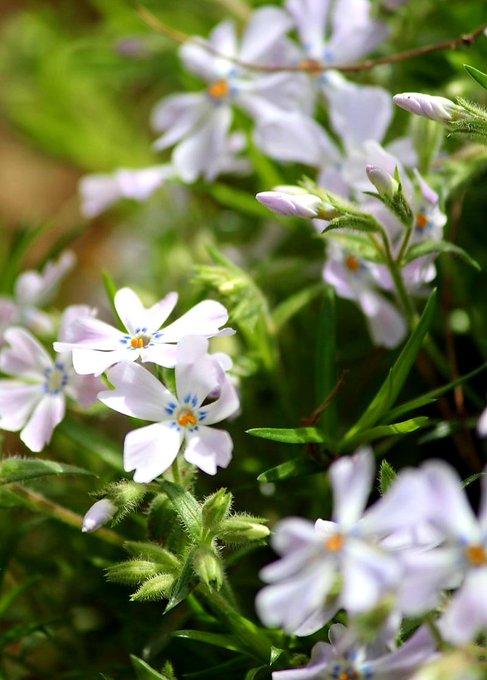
[
  {"x": 144, "y": 672},
  {"x": 230, "y": 642},
  {"x": 21, "y": 469},
  {"x": 387, "y": 477},
  {"x": 183, "y": 584},
  {"x": 298, "y": 467},
  {"x": 477, "y": 75},
  {"x": 297, "y": 435},
  {"x": 431, "y": 397},
  {"x": 294, "y": 304},
  {"x": 111, "y": 290},
  {"x": 91, "y": 440},
  {"x": 428, "y": 247},
  {"x": 326, "y": 361},
  {"x": 254, "y": 673},
  {"x": 473, "y": 478},
  {"x": 186, "y": 506},
  {"x": 228, "y": 669},
  {"x": 381, "y": 431},
  {"x": 391, "y": 387}
]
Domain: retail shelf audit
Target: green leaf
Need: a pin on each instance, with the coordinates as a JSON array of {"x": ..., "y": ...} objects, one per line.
[
  {"x": 391, "y": 388},
  {"x": 238, "y": 200},
  {"x": 428, "y": 247},
  {"x": 352, "y": 222},
  {"x": 187, "y": 507},
  {"x": 326, "y": 361},
  {"x": 144, "y": 672},
  {"x": 111, "y": 290},
  {"x": 152, "y": 551},
  {"x": 359, "y": 245},
  {"x": 294, "y": 304},
  {"x": 91, "y": 440},
  {"x": 431, "y": 397},
  {"x": 298, "y": 467},
  {"x": 230, "y": 642},
  {"x": 21, "y": 469},
  {"x": 381, "y": 431},
  {"x": 387, "y": 477},
  {"x": 183, "y": 584},
  {"x": 297, "y": 435},
  {"x": 477, "y": 75},
  {"x": 473, "y": 478},
  {"x": 155, "y": 588}
]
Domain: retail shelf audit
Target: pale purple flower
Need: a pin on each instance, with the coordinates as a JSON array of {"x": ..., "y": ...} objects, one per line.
[
  {"x": 199, "y": 123},
  {"x": 33, "y": 290},
  {"x": 96, "y": 345},
  {"x": 34, "y": 399},
  {"x": 314, "y": 556},
  {"x": 184, "y": 417},
  {"x": 99, "y": 514},
  {"x": 346, "y": 658},
  {"x": 295, "y": 204},
  {"x": 357, "y": 279},
  {"x": 99, "y": 192},
  {"x": 439, "y": 109}
]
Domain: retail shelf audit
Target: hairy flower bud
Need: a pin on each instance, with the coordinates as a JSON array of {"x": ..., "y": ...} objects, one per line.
[
  {"x": 216, "y": 508},
  {"x": 293, "y": 205},
  {"x": 385, "y": 184},
  {"x": 240, "y": 529},
  {"x": 440, "y": 109},
  {"x": 99, "y": 514},
  {"x": 208, "y": 567}
]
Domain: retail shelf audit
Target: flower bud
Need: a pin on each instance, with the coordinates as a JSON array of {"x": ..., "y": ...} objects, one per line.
[
  {"x": 98, "y": 515},
  {"x": 291, "y": 204},
  {"x": 216, "y": 508},
  {"x": 440, "y": 109},
  {"x": 241, "y": 529},
  {"x": 385, "y": 184},
  {"x": 208, "y": 567}
]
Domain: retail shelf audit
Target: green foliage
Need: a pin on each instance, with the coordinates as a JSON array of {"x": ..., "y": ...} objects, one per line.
[{"x": 23, "y": 469}]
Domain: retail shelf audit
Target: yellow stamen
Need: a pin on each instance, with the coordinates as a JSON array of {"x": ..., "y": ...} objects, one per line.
[
  {"x": 421, "y": 221},
  {"x": 352, "y": 263},
  {"x": 335, "y": 543},
  {"x": 219, "y": 89},
  {"x": 187, "y": 418},
  {"x": 476, "y": 555},
  {"x": 138, "y": 342}
]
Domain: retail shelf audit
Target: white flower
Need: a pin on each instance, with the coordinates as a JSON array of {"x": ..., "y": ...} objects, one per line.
[
  {"x": 34, "y": 401},
  {"x": 96, "y": 345},
  {"x": 179, "y": 418}
]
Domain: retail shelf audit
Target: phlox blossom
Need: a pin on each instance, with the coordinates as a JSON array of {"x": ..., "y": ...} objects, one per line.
[
  {"x": 183, "y": 417},
  {"x": 34, "y": 399},
  {"x": 96, "y": 345}
]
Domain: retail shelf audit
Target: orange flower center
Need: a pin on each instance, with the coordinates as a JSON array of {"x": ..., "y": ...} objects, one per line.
[
  {"x": 335, "y": 543},
  {"x": 219, "y": 89},
  {"x": 352, "y": 263},
  {"x": 187, "y": 418},
  {"x": 476, "y": 555},
  {"x": 137, "y": 342},
  {"x": 421, "y": 221}
]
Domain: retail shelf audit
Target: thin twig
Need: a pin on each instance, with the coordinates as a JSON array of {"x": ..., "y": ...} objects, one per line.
[
  {"x": 314, "y": 417},
  {"x": 464, "y": 40}
]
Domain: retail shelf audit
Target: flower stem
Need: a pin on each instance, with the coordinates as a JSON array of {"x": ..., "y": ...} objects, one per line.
[{"x": 175, "y": 471}]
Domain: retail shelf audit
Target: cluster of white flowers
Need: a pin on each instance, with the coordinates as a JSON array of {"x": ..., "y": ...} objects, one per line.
[
  {"x": 33, "y": 398},
  {"x": 405, "y": 552}
]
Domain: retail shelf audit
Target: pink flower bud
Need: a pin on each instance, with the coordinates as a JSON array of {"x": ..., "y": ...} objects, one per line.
[
  {"x": 98, "y": 515},
  {"x": 385, "y": 184},
  {"x": 293, "y": 205},
  {"x": 440, "y": 109}
]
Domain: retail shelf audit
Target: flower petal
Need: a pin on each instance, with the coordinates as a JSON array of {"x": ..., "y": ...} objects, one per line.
[
  {"x": 226, "y": 405},
  {"x": 151, "y": 450},
  {"x": 25, "y": 357},
  {"x": 208, "y": 448},
  {"x": 94, "y": 362},
  {"x": 48, "y": 413},
  {"x": 135, "y": 316},
  {"x": 266, "y": 26},
  {"x": 467, "y": 614},
  {"x": 91, "y": 333},
  {"x": 178, "y": 116},
  {"x": 137, "y": 393},
  {"x": 351, "y": 478},
  {"x": 17, "y": 401},
  {"x": 205, "y": 319}
]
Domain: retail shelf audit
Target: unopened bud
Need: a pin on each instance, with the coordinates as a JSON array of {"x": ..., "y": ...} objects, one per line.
[
  {"x": 98, "y": 515},
  {"x": 241, "y": 529},
  {"x": 385, "y": 183},
  {"x": 440, "y": 109},
  {"x": 216, "y": 508},
  {"x": 299, "y": 204},
  {"x": 208, "y": 567}
]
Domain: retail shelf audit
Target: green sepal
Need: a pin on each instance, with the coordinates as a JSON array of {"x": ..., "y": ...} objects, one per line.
[
  {"x": 387, "y": 477},
  {"x": 133, "y": 572},
  {"x": 153, "y": 552},
  {"x": 187, "y": 508},
  {"x": 183, "y": 584},
  {"x": 157, "y": 587}
]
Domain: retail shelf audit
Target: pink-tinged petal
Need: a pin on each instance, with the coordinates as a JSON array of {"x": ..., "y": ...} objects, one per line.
[
  {"x": 322, "y": 656},
  {"x": 425, "y": 575},
  {"x": 160, "y": 354},
  {"x": 94, "y": 362},
  {"x": 292, "y": 534},
  {"x": 351, "y": 478},
  {"x": 466, "y": 616},
  {"x": 453, "y": 513},
  {"x": 137, "y": 393},
  {"x": 140, "y": 184},
  {"x": 310, "y": 19},
  {"x": 296, "y": 137},
  {"x": 205, "y": 319},
  {"x": 386, "y": 325},
  {"x": 8, "y": 313},
  {"x": 97, "y": 194},
  {"x": 32, "y": 288},
  {"x": 203, "y": 151},
  {"x": 151, "y": 450},
  {"x": 136, "y": 317},
  {"x": 84, "y": 388},
  {"x": 226, "y": 405},
  {"x": 90, "y": 333},
  {"x": 17, "y": 401},
  {"x": 71, "y": 315},
  {"x": 316, "y": 621},
  {"x": 353, "y": 32},
  {"x": 178, "y": 116},
  {"x": 399, "y": 664},
  {"x": 359, "y": 112},
  {"x": 266, "y": 26},
  {"x": 25, "y": 357},
  {"x": 208, "y": 448},
  {"x": 335, "y": 273},
  {"x": 268, "y": 96},
  {"x": 48, "y": 413}
]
